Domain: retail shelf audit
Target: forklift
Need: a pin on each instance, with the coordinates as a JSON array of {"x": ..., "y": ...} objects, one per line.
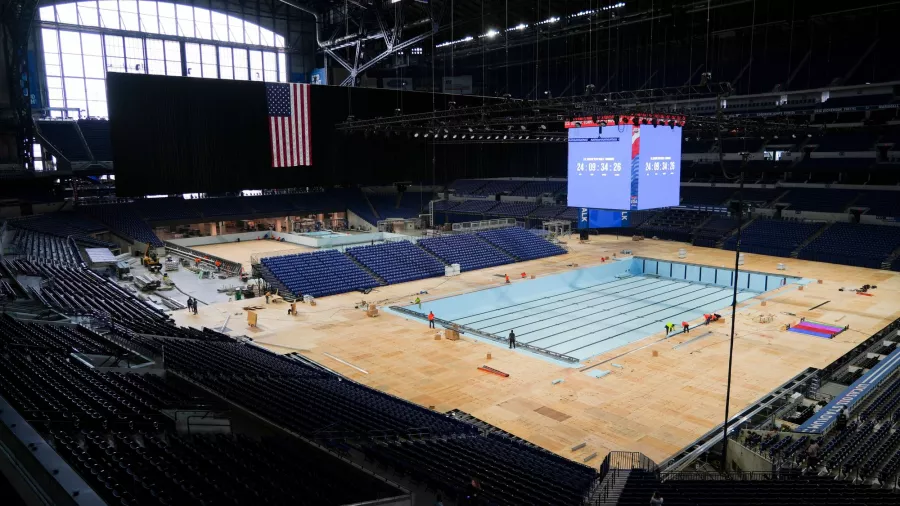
[{"x": 150, "y": 260}]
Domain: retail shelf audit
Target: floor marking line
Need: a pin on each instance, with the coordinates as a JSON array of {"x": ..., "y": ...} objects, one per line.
[{"x": 329, "y": 355}]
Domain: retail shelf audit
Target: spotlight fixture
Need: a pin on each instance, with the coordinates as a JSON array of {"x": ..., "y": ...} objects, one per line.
[
  {"x": 505, "y": 137},
  {"x": 470, "y": 129},
  {"x": 543, "y": 127},
  {"x": 426, "y": 135},
  {"x": 445, "y": 136},
  {"x": 416, "y": 134},
  {"x": 523, "y": 128},
  {"x": 454, "y": 136}
]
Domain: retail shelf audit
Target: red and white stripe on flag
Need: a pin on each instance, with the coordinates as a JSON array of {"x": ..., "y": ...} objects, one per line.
[{"x": 289, "y": 133}]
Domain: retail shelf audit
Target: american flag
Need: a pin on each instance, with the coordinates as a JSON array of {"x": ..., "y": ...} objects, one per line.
[{"x": 289, "y": 124}]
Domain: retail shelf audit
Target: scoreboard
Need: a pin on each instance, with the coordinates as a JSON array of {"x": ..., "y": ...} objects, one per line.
[{"x": 624, "y": 167}]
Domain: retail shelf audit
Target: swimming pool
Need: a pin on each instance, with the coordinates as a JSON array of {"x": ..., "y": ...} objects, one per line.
[{"x": 579, "y": 314}]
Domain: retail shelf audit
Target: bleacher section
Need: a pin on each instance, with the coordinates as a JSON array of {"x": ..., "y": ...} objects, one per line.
[
  {"x": 319, "y": 274},
  {"x": 126, "y": 222},
  {"x": 520, "y": 243},
  {"x": 853, "y": 244},
  {"x": 49, "y": 248},
  {"x": 509, "y": 472},
  {"x": 397, "y": 262},
  {"x": 513, "y": 209},
  {"x": 714, "y": 231},
  {"x": 110, "y": 428},
  {"x": 64, "y": 136},
  {"x": 539, "y": 188},
  {"x": 96, "y": 134},
  {"x": 673, "y": 224},
  {"x": 818, "y": 199},
  {"x": 787, "y": 489},
  {"x": 705, "y": 195},
  {"x": 475, "y": 206},
  {"x": 467, "y": 250},
  {"x": 773, "y": 237}
]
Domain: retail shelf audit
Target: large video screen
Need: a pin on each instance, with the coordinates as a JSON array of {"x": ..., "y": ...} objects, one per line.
[
  {"x": 624, "y": 167},
  {"x": 601, "y": 218},
  {"x": 659, "y": 178}
]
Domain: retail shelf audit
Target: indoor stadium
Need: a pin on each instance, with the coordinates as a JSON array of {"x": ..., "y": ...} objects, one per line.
[{"x": 449, "y": 253}]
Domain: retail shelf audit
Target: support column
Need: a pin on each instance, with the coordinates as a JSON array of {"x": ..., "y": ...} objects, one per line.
[
  {"x": 213, "y": 229},
  {"x": 278, "y": 225}
]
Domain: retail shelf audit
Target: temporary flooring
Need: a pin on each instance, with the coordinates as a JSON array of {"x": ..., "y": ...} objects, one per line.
[
  {"x": 242, "y": 251},
  {"x": 655, "y": 400}
]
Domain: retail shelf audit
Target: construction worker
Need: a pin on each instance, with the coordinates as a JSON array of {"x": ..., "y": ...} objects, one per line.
[
  {"x": 523, "y": 275},
  {"x": 507, "y": 278},
  {"x": 419, "y": 302},
  {"x": 512, "y": 340},
  {"x": 671, "y": 327},
  {"x": 218, "y": 265},
  {"x": 685, "y": 327},
  {"x": 431, "y": 319},
  {"x": 707, "y": 317},
  {"x": 267, "y": 297}
]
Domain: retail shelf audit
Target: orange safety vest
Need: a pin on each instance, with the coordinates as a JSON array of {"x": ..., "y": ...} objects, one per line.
[{"x": 431, "y": 317}]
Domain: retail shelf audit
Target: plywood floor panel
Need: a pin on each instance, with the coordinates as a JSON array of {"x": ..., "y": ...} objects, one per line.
[{"x": 656, "y": 405}]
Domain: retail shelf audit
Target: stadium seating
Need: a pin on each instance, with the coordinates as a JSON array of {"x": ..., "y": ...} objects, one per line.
[
  {"x": 773, "y": 237},
  {"x": 319, "y": 274},
  {"x": 96, "y": 134},
  {"x": 539, "y": 188},
  {"x": 62, "y": 224},
  {"x": 110, "y": 426},
  {"x": 64, "y": 136},
  {"x": 61, "y": 338},
  {"x": 467, "y": 250},
  {"x": 571, "y": 213},
  {"x": 475, "y": 206},
  {"x": 463, "y": 187},
  {"x": 124, "y": 220},
  {"x": 547, "y": 212},
  {"x": 513, "y": 209},
  {"x": 495, "y": 187},
  {"x": 849, "y": 140},
  {"x": 705, "y": 195},
  {"x": 880, "y": 203},
  {"x": 713, "y": 231},
  {"x": 853, "y": 244},
  {"x": 818, "y": 199},
  {"x": 49, "y": 248},
  {"x": 397, "y": 262},
  {"x": 520, "y": 243},
  {"x": 509, "y": 472},
  {"x": 786, "y": 489},
  {"x": 673, "y": 224},
  {"x": 329, "y": 408}
]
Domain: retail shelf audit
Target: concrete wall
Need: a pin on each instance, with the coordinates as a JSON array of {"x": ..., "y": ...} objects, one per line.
[
  {"x": 354, "y": 220},
  {"x": 745, "y": 459}
]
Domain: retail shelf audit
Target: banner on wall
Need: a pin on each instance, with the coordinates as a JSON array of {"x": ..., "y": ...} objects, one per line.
[
  {"x": 318, "y": 76},
  {"x": 397, "y": 83},
  {"x": 459, "y": 85}
]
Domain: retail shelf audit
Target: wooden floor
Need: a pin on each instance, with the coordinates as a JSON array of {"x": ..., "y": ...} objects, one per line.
[
  {"x": 655, "y": 405},
  {"x": 242, "y": 251}
]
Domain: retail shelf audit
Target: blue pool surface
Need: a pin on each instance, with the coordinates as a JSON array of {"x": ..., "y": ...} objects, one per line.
[{"x": 586, "y": 312}]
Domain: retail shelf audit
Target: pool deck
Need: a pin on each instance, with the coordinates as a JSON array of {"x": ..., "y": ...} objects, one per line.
[{"x": 653, "y": 404}]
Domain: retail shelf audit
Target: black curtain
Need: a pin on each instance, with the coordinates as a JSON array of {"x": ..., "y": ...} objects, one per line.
[{"x": 181, "y": 134}]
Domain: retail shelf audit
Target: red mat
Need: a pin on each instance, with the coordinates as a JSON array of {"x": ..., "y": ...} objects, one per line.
[
  {"x": 816, "y": 330},
  {"x": 866, "y": 294}
]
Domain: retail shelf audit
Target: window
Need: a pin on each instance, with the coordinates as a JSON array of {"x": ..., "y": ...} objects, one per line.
[
  {"x": 226, "y": 65},
  {"x": 76, "y": 62}
]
